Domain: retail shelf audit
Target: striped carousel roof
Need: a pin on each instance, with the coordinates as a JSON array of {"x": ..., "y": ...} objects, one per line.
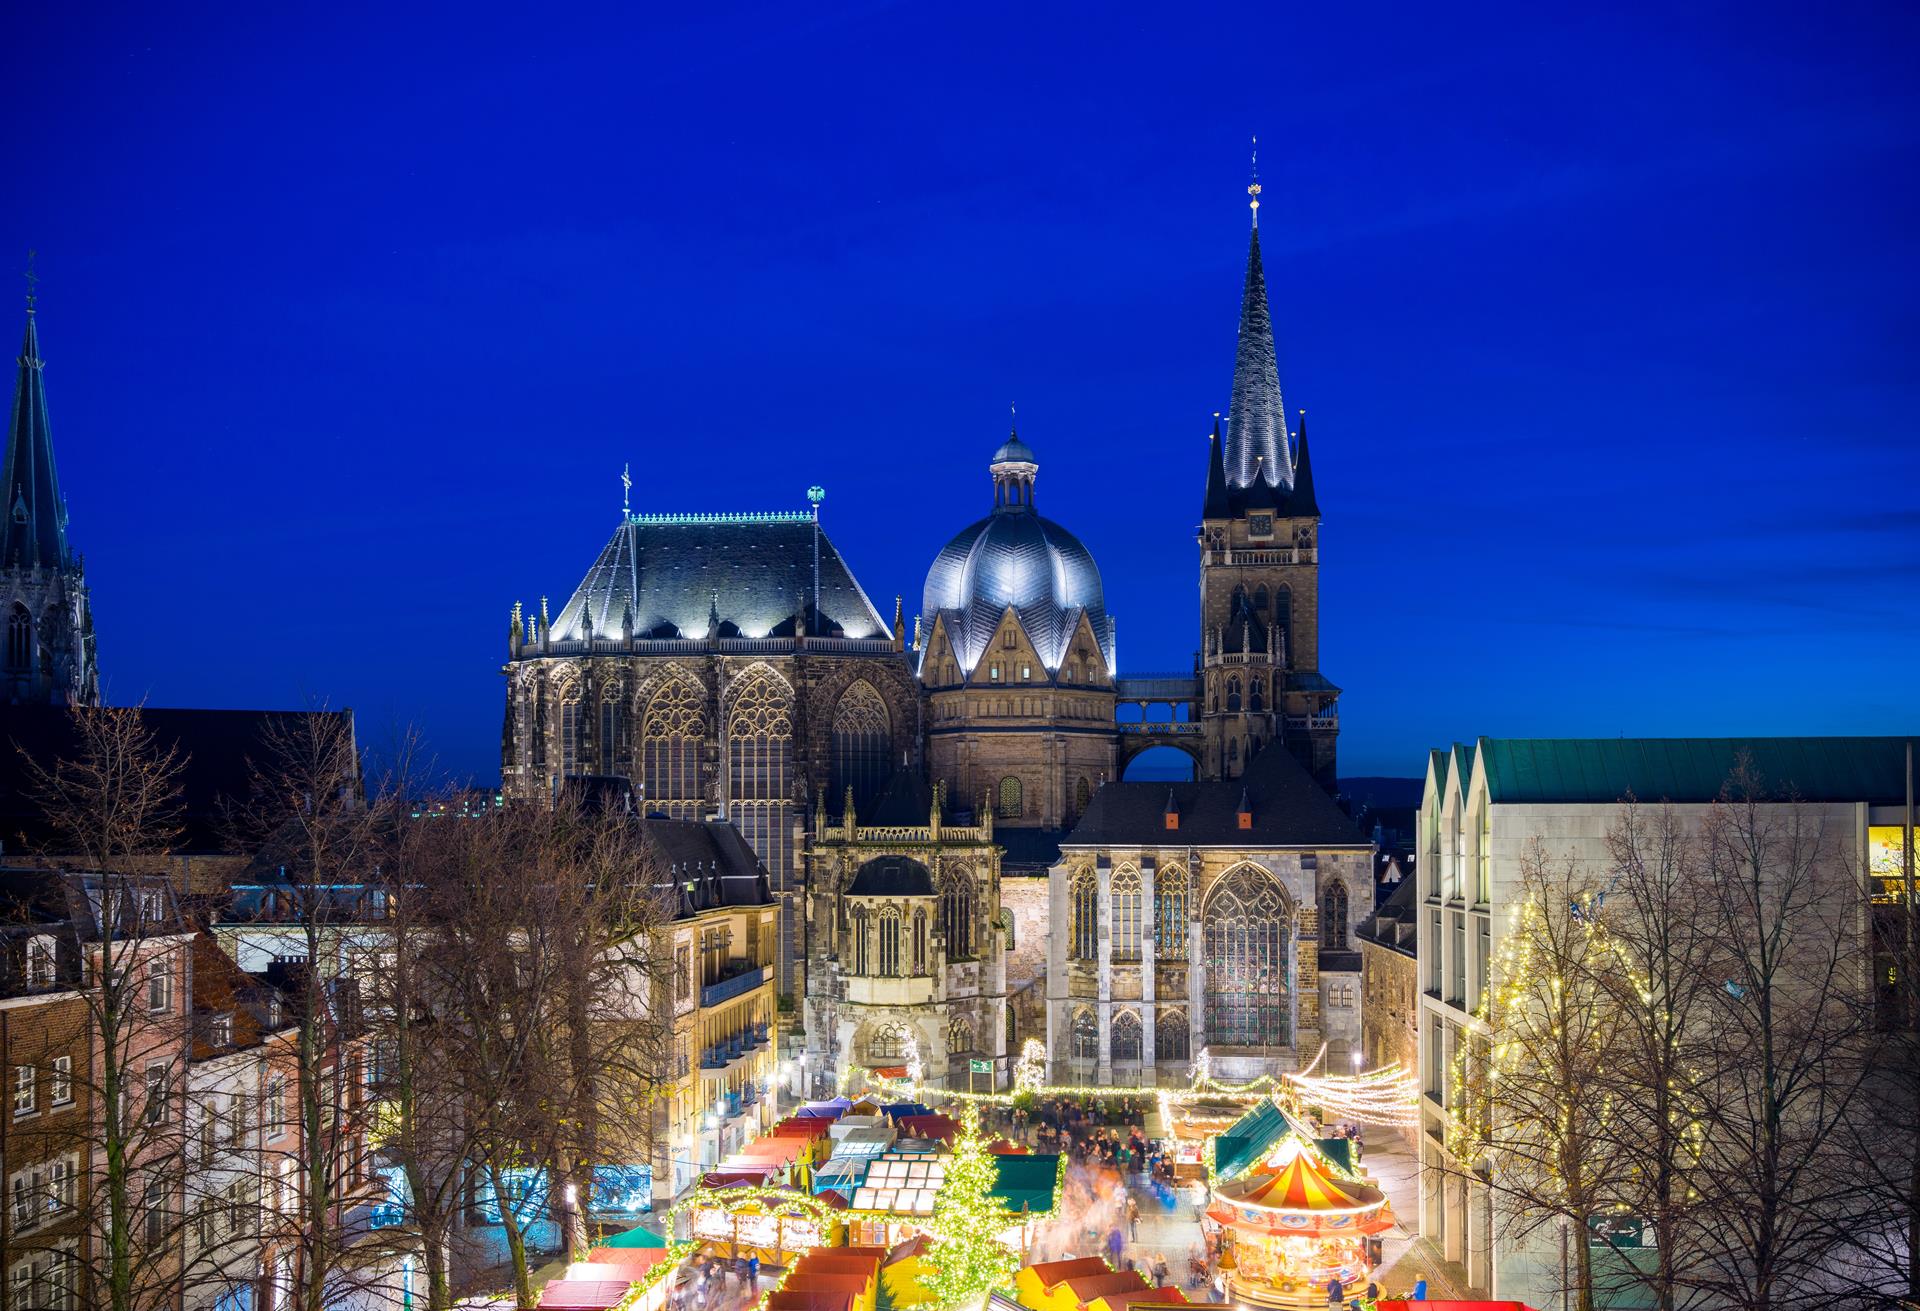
[{"x": 1296, "y": 1182}]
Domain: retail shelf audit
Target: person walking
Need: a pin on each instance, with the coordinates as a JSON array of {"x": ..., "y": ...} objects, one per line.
[{"x": 1336, "y": 1292}]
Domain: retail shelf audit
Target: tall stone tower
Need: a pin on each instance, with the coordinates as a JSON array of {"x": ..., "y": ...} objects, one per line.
[
  {"x": 48, "y": 656},
  {"x": 1260, "y": 567}
]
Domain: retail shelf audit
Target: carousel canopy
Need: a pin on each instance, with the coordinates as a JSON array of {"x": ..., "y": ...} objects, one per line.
[{"x": 1296, "y": 1194}]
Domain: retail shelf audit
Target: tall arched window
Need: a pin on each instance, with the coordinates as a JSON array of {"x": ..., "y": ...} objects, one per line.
[
  {"x": 859, "y": 921},
  {"x": 1257, "y": 694},
  {"x": 1260, "y": 597},
  {"x": 859, "y": 747},
  {"x": 616, "y": 743},
  {"x": 959, "y": 1037},
  {"x": 1233, "y": 695},
  {"x": 1170, "y": 913},
  {"x": 1085, "y": 912},
  {"x": 540, "y": 724},
  {"x": 1283, "y": 619},
  {"x": 1246, "y": 926},
  {"x": 920, "y": 940},
  {"x": 1085, "y": 1036},
  {"x": 1126, "y": 896},
  {"x": 760, "y": 750},
  {"x": 1010, "y": 804},
  {"x": 1170, "y": 1039},
  {"x": 19, "y": 640},
  {"x": 1082, "y": 796},
  {"x": 1333, "y": 917},
  {"x": 1239, "y": 601},
  {"x": 1126, "y": 1036},
  {"x": 887, "y": 1045},
  {"x": 673, "y": 740},
  {"x": 890, "y": 941},
  {"x": 956, "y": 914},
  {"x": 570, "y": 761}
]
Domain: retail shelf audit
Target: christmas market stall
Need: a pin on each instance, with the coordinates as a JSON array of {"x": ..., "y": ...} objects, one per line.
[{"x": 1294, "y": 1223}]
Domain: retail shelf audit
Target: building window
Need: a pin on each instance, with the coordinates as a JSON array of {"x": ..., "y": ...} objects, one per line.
[
  {"x": 1126, "y": 1036},
  {"x": 1126, "y": 897},
  {"x": 220, "y": 1030},
  {"x": 860, "y": 747},
  {"x": 1482, "y": 955},
  {"x": 1170, "y": 914},
  {"x": 887, "y": 1045},
  {"x": 760, "y": 748},
  {"x": 160, "y": 987},
  {"x": 1333, "y": 917},
  {"x": 1457, "y": 867},
  {"x": 1085, "y": 1036},
  {"x": 1233, "y": 695},
  {"x": 1011, "y": 804},
  {"x": 1085, "y": 914},
  {"x": 570, "y": 761},
  {"x": 956, "y": 914},
  {"x": 1006, "y": 925},
  {"x": 683, "y": 973},
  {"x": 157, "y": 1109},
  {"x": 63, "y": 1184},
  {"x": 890, "y": 941},
  {"x": 959, "y": 1037},
  {"x": 40, "y": 961},
  {"x": 60, "y": 1081},
  {"x": 993, "y": 672},
  {"x": 859, "y": 920},
  {"x": 1246, "y": 928},
  {"x": 1483, "y": 859},
  {"x": 1082, "y": 796},
  {"x": 154, "y": 1203},
  {"x": 24, "y": 1190},
  {"x": 673, "y": 738},
  {"x": 1170, "y": 1039},
  {"x": 920, "y": 940},
  {"x": 616, "y": 741},
  {"x": 23, "y": 1086},
  {"x": 540, "y": 725},
  {"x": 1433, "y": 953},
  {"x": 19, "y": 640}
]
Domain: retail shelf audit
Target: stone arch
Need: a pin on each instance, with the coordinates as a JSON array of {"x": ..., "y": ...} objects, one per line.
[
  {"x": 859, "y": 746},
  {"x": 1125, "y": 1038},
  {"x": 1333, "y": 916},
  {"x": 1170, "y": 913},
  {"x": 1171, "y": 1041},
  {"x": 759, "y": 729},
  {"x": 1083, "y": 1035},
  {"x": 1124, "y": 894},
  {"x": 673, "y": 746},
  {"x": 1083, "y": 910},
  {"x": 887, "y": 1042},
  {"x": 1247, "y": 932},
  {"x": 958, "y": 899}
]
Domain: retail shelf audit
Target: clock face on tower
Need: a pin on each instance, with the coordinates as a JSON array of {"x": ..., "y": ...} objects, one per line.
[{"x": 1261, "y": 525}]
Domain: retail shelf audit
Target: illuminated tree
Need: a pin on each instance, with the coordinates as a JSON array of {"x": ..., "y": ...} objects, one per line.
[{"x": 967, "y": 1256}]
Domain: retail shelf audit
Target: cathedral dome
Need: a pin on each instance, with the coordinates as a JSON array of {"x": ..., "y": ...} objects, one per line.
[{"x": 1015, "y": 557}]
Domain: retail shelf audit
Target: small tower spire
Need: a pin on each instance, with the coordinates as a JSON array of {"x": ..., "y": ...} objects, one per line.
[
  {"x": 1256, "y": 420},
  {"x": 1253, "y": 186},
  {"x": 626, "y": 489}
]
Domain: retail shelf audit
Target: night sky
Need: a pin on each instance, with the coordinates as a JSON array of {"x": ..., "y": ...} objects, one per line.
[{"x": 1605, "y": 327}]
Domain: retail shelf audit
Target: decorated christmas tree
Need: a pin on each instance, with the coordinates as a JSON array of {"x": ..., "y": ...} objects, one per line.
[{"x": 967, "y": 1256}]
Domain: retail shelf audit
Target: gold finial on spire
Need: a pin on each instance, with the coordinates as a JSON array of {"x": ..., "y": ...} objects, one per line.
[
  {"x": 1253, "y": 188},
  {"x": 33, "y": 280}
]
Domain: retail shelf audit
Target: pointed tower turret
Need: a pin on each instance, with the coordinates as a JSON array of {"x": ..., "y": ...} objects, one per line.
[
  {"x": 48, "y": 652},
  {"x": 1257, "y": 423},
  {"x": 1302, "y": 503},
  {"x": 1217, "y": 505}
]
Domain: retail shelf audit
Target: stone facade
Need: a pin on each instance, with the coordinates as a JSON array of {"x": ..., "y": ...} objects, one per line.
[
  {"x": 1025, "y": 908},
  {"x": 906, "y": 949},
  {"x": 1390, "y": 986}
]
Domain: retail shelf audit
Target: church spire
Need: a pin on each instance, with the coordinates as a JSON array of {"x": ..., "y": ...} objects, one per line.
[
  {"x": 35, "y": 518},
  {"x": 1257, "y": 422},
  {"x": 1302, "y": 503},
  {"x": 1217, "y": 506}
]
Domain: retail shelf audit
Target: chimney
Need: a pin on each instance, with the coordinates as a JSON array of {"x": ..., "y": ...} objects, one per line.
[
  {"x": 1244, "y": 813},
  {"x": 1172, "y": 812}
]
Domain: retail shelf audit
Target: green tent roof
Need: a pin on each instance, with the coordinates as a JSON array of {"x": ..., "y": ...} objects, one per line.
[
  {"x": 1248, "y": 1140},
  {"x": 1337, "y": 1150},
  {"x": 638, "y": 1236},
  {"x": 1027, "y": 1181}
]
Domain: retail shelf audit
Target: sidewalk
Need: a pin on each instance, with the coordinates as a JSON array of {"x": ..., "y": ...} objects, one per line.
[{"x": 1406, "y": 1257}]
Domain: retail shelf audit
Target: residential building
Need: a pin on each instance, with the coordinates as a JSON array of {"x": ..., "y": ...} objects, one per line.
[{"x": 1390, "y": 984}]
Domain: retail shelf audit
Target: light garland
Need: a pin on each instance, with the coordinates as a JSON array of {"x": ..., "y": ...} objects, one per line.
[{"x": 676, "y": 1253}]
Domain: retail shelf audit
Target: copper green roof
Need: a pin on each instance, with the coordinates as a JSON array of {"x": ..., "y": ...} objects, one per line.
[
  {"x": 1026, "y": 1182},
  {"x": 1692, "y": 769},
  {"x": 1241, "y": 1146}
]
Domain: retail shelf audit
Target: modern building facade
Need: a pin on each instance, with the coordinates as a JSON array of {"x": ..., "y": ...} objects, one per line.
[{"x": 1485, "y": 807}]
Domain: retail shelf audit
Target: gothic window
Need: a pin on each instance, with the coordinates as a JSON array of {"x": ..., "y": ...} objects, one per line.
[
  {"x": 860, "y": 746},
  {"x": 1010, "y": 804},
  {"x": 1086, "y": 1036},
  {"x": 1245, "y": 926},
  {"x": 1006, "y": 923},
  {"x": 1086, "y": 918},
  {"x": 1239, "y": 602},
  {"x": 616, "y": 744},
  {"x": 1126, "y": 1036},
  {"x": 540, "y": 725},
  {"x": 1126, "y": 896},
  {"x": 959, "y": 1037},
  {"x": 1233, "y": 695},
  {"x": 1082, "y": 796},
  {"x": 760, "y": 748},
  {"x": 920, "y": 940},
  {"x": 1170, "y": 1042},
  {"x": 570, "y": 761},
  {"x": 1333, "y": 917},
  {"x": 859, "y": 920},
  {"x": 887, "y": 1045},
  {"x": 890, "y": 941},
  {"x": 19, "y": 640},
  {"x": 956, "y": 914},
  {"x": 673, "y": 737},
  {"x": 1233, "y": 756},
  {"x": 1256, "y": 694},
  {"x": 1260, "y": 597},
  {"x": 1283, "y": 618},
  {"x": 1170, "y": 914}
]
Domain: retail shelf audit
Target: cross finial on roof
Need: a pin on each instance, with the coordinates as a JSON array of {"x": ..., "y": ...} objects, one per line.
[
  {"x": 1253, "y": 187},
  {"x": 626, "y": 488},
  {"x": 33, "y": 280}
]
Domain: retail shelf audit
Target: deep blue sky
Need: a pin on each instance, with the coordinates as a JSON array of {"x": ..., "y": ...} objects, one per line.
[{"x": 1605, "y": 325}]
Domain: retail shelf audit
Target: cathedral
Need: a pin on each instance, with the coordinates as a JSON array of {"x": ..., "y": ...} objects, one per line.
[
  {"x": 959, "y": 863},
  {"x": 49, "y": 658}
]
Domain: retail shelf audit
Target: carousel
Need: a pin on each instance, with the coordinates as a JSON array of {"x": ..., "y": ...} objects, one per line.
[{"x": 1294, "y": 1223}]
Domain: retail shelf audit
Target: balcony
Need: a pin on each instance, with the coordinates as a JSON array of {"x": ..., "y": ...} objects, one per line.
[{"x": 737, "y": 985}]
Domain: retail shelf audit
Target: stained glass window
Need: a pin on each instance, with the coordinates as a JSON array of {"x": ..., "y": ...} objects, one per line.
[
  {"x": 1170, "y": 914},
  {"x": 859, "y": 747},
  {"x": 1126, "y": 1036},
  {"x": 673, "y": 736},
  {"x": 1126, "y": 913},
  {"x": 1246, "y": 926},
  {"x": 956, "y": 914}
]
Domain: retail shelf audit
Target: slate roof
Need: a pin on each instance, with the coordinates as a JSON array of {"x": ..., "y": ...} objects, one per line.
[
  {"x": 891, "y": 876},
  {"x": 221, "y": 749},
  {"x": 33, "y": 515},
  {"x": 1256, "y": 448},
  {"x": 905, "y": 802},
  {"x": 755, "y": 570},
  {"x": 1395, "y": 922},
  {"x": 713, "y": 858},
  {"x": 1289, "y": 810},
  {"x": 1029, "y": 850},
  {"x": 1570, "y": 770}
]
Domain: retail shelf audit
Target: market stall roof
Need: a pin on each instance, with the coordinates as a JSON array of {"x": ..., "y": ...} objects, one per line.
[
  {"x": 638, "y": 1236},
  {"x": 632, "y": 1270},
  {"x": 1167, "y": 1295},
  {"x": 1085, "y": 1288},
  {"x": 1248, "y": 1140},
  {"x": 1451, "y": 1304},
  {"x": 804, "y": 1126},
  {"x": 938, "y": 1127},
  {"x": 1051, "y": 1274},
  {"x": 1026, "y": 1182},
  {"x": 846, "y": 1124},
  {"x": 897, "y": 1109},
  {"x": 843, "y": 1258},
  {"x": 1339, "y": 1151},
  {"x": 734, "y": 1175},
  {"x": 584, "y": 1294},
  {"x": 806, "y": 1279},
  {"x": 842, "y": 1173},
  {"x": 1001, "y": 1147},
  {"x": 780, "y": 1151},
  {"x": 809, "y": 1300},
  {"x": 831, "y": 1109}
]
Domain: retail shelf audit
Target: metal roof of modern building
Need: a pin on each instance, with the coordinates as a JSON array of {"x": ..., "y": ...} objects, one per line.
[{"x": 1687, "y": 769}]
